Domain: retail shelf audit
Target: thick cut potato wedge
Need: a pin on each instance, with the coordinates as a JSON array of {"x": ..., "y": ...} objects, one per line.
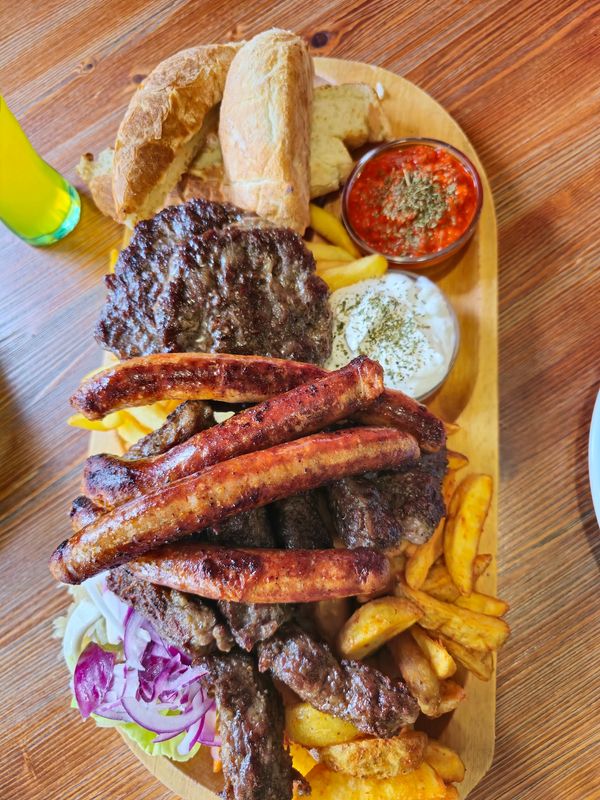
[
  {"x": 307, "y": 726},
  {"x": 480, "y": 664},
  {"x": 451, "y": 793},
  {"x": 452, "y": 695},
  {"x": 329, "y": 227},
  {"x": 377, "y": 758},
  {"x": 418, "y": 673},
  {"x": 422, "y": 783},
  {"x": 302, "y": 761},
  {"x": 449, "y": 486},
  {"x": 440, "y": 659},
  {"x": 328, "y": 252},
  {"x": 330, "y": 616},
  {"x": 473, "y": 630},
  {"x": 420, "y": 562},
  {"x": 374, "y": 624},
  {"x": 439, "y": 583},
  {"x": 346, "y": 274},
  {"x": 466, "y": 517},
  {"x": 484, "y": 603},
  {"x": 445, "y": 761}
]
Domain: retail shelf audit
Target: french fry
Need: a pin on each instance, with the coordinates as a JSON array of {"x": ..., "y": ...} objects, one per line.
[
  {"x": 448, "y": 486},
  {"x": 330, "y": 616},
  {"x": 422, "y": 783},
  {"x": 452, "y": 694},
  {"x": 374, "y": 624},
  {"x": 445, "y": 761},
  {"x": 373, "y": 266},
  {"x": 451, "y": 793},
  {"x": 476, "y": 631},
  {"x": 442, "y": 662},
  {"x": 439, "y": 583},
  {"x": 329, "y": 227},
  {"x": 322, "y": 266},
  {"x": 309, "y": 727},
  {"x": 466, "y": 517},
  {"x": 419, "y": 563},
  {"x": 328, "y": 252},
  {"x": 456, "y": 460},
  {"x": 376, "y": 758},
  {"x": 107, "y": 423},
  {"x": 484, "y": 603},
  {"x": 480, "y": 664},
  {"x": 113, "y": 257},
  {"x": 451, "y": 428},
  {"x": 417, "y": 673},
  {"x": 302, "y": 761},
  {"x": 151, "y": 416},
  {"x": 130, "y": 429}
]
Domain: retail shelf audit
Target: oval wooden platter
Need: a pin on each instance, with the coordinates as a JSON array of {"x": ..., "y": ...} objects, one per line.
[{"x": 469, "y": 396}]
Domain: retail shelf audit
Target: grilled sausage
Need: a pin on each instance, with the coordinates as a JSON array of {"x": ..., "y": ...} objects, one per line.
[
  {"x": 247, "y": 575},
  {"x": 308, "y": 408},
  {"x": 235, "y": 379},
  {"x": 242, "y": 483}
]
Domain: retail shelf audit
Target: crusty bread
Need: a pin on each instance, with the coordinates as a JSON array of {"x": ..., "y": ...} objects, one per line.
[
  {"x": 97, "y": 173},
  {"x": 163, "y": 126},
  {"x": 345, "y": 115},
  {"x": 264, "y": 128}
]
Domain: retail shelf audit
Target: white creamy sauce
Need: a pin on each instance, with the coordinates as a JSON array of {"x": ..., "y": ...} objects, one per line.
[{"x": 403, "y": 323}]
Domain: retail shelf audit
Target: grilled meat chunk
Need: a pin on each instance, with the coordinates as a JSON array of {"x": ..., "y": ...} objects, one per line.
[
  {"x": 252, "y": 623},
  {"x": 351, "y": 690},
  {"x": 248, "y": 529},
  {"x": 187, "y": 419},
  {"x": 256, "y": 766},
  {"x": 361, "y": 516},
  {"x": 207, "y": 276},
  {"x": 180, "y": 619},
  {"x": 414, "y": 495},
  {"x": 298, "y": 524},
  {"x": 381, "y": 510}
]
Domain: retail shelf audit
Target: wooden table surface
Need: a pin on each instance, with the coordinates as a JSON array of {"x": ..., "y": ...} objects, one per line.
[{"x": 521, "y": 79}]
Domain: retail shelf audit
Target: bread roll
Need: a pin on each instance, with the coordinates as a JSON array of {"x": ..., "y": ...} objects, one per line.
[
  {"x": 163, "y": 126},
  {"x": 264, "y": 128}
]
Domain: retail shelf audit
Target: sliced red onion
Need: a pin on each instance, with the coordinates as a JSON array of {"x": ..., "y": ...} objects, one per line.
[
  {"x": 92, "y": 677},
  {"x": 150, "y": 718}
]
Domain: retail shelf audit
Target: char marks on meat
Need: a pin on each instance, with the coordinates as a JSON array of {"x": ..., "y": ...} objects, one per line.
[
  {"x": 207, "y": 276},
  {"x": 180, "y": 619},
  {"x": 248, "y": 529},
  {"x": 256, "y": 765},
  {"x": 381, "y": 510},
  {"x": 298, "y": 523},
  {"x": 251, "y": 623},
  {"x": 351, "y": 690},
  {"x": 414, "y": 495},
  {"x": 187, "y": 419}
]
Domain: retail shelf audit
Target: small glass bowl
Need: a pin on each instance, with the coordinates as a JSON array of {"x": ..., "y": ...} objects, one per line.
[{"x": 428, "y": 259}]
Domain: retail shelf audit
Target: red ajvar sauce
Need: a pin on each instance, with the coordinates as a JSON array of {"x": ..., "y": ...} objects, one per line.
[{"x": 411, "y": 201}]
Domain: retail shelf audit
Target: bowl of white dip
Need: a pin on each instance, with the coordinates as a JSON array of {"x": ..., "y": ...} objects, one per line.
[{"x": 403, "y": 321}]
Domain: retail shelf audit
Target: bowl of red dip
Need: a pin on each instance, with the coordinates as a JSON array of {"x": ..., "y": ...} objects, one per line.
[{"x": 415, "y": 201}]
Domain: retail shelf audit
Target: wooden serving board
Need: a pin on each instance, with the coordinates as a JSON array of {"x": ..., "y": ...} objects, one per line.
[{"x": 469, "y": 396}]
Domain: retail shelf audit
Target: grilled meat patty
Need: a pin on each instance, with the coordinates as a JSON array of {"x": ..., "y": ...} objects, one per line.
[
  {"x": 206, "y": 276},
  {"x": 298, "y": 524},
  {"x": 351, "y": 690},
  {"x": 256, "y": 765},
  {"x": 380, "y": 510},
  {"x": 187, "y": 419},
  {"x": 180, "y": 619},
  {"x": 251, "y": 623}
]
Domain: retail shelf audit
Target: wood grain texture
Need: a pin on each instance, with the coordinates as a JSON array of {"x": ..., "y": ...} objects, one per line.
[{"x": 520, "y": 78}]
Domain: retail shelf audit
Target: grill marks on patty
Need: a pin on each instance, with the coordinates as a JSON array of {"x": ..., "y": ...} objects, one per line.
[{"x": 208, "y": 276}]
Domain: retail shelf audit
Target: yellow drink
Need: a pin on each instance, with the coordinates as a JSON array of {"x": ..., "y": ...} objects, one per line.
[{"x": 36, "y": 202}]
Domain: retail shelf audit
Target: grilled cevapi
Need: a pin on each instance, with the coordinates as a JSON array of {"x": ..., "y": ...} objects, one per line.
[
  {"x": 179, "y": 619},
  {"x": 264, "y": 576},
  {"x": 236, "y": 379},
  {"x": 308, "y": 408},
  {"x": 352, "y": 690},
  {"x": 188, "y": 418},
  {"x": 225, "y": 489},
  {"x": 253, "y": 623},
  {"x": 298, "y": 523},
  {"x": 256, "y": 765}
]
